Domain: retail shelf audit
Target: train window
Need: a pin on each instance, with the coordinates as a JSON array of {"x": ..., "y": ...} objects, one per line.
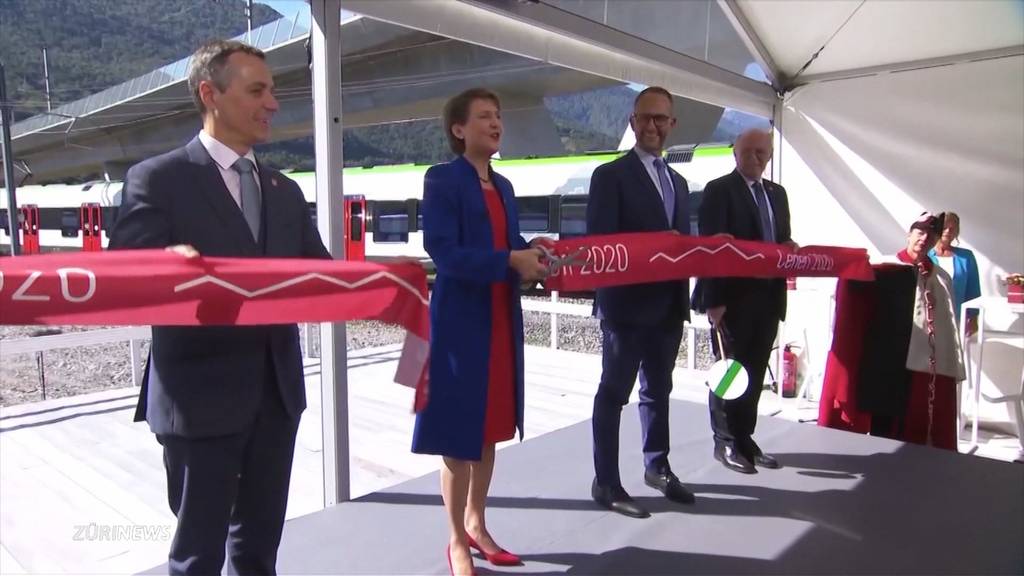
[
  {"x": 533, "y": 213},
  {"x": 573, "y": 221},
  {"x": 390, "y": 222},
  {"x": 412, "y": 208},
  {"x": 70, "y": 223}
]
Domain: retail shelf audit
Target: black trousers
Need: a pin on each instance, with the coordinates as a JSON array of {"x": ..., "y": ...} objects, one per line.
[
  {"x": 751, "y": 333},
  {"x": 231, "y": 490}
]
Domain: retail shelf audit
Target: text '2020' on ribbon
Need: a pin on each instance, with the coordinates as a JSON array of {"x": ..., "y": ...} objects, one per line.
[{"x": 619, "y": 259}]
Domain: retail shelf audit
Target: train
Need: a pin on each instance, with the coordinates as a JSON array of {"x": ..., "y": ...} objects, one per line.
[{"x": 382, "y": 203}]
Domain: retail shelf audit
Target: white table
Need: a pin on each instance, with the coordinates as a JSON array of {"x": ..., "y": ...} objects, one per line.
[{"x": 981, "y": 304}]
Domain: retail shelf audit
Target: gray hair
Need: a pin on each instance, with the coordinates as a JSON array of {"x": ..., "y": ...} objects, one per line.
[
  {"x": 209, "y": 64},
  {"x": 751, "y": 132}
]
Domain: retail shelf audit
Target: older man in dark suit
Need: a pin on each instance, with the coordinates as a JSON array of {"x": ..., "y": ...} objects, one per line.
[
  {"x": 749, "y": 207},
  {"x": 223, "y": 401},
  {"x": 641, "y": 325}
]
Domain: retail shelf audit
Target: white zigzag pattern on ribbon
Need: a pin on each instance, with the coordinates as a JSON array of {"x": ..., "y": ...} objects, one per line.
[
  {"x": 703, "y": 249},
  {"x": 208, "y": 279}
]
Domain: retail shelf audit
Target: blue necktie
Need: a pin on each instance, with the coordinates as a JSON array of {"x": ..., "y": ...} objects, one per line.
[
  {"x": 250, "y": 195},
  {"x": 767, "y": 230},
  {"x": 668, "y": 195}
]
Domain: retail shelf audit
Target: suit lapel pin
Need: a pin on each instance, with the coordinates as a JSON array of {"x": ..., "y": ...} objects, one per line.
[{"x": 273, "y": 181}]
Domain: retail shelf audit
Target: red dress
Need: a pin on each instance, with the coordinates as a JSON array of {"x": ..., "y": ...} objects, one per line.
[{"x": 500, "y": 420}]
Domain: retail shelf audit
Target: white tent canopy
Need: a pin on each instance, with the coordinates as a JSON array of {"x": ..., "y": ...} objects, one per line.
[
  {"x": 891, "y": 107},
  {"x": 894, "y": 107},
  {"x": 862, "y": 35}
]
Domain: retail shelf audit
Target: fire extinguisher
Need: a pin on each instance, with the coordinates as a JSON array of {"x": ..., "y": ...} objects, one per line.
[{"x": 788, "y": 372}]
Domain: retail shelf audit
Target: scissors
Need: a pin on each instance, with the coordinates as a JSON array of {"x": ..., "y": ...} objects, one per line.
[{"x": 556, "y": 262}]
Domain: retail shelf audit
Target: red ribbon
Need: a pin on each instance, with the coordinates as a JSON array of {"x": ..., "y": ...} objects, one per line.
[
  {"x": 140, "y": 287},
  {"x": 156, "y": 287},
  {"x": 617, "y": 259}
]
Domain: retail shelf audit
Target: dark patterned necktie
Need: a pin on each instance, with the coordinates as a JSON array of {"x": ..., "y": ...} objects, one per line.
[
  {"x": 668, "y": 196},
  {"x": 767, "y": 230}
]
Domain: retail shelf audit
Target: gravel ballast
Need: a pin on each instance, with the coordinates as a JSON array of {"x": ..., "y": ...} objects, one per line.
[{"x": 73, "y": 371}]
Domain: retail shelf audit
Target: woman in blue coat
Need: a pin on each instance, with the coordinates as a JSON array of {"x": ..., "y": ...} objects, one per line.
[
  {"x": 475, "y": 397},
  {"x": 961, "y": 266}
]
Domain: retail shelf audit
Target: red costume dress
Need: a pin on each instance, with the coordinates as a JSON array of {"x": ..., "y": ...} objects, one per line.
[
  {"x": 895, "y": 357},
  {"x": 931, "y": 407}
]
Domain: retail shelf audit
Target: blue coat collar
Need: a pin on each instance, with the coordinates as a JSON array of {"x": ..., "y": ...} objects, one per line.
[
  {"x": 467, "y": 172},
  {"x": 467, "y": 167}
]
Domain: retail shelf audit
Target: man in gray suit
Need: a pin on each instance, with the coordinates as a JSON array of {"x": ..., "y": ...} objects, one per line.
[{"x": 223, "y": 401}]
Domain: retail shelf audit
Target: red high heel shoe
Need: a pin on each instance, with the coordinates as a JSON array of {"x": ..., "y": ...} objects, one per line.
[
  {"x": 500, "y": 558},
  {"x": 448, "y": 552}
]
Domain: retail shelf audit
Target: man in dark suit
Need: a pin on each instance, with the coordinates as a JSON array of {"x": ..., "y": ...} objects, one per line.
[
  {"x": 641, "y": 325},
  {"x": 223, "y": 401},
  {"x": 748, "y": 207}
]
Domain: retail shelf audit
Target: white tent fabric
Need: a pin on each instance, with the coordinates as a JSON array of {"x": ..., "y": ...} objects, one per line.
[
  {"x": 888, "y": 147},
  {"x": 908, "y": 105},
  {"x": 879, "y": 32},
  {"x": 863, "y": 157},
  {"x": 893, "y": 107}
]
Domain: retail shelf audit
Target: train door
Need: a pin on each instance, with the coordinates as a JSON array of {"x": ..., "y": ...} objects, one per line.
[
  {"x": 355, "y": 229},
  {"x": 91, "y": 218},
  {"x": 29, "y": 229}
]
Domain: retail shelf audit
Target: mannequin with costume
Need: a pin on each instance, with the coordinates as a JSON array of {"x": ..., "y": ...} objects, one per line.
[{"x": 895, "y": 359}]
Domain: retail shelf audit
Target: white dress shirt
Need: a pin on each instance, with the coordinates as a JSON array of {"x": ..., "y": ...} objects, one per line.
[
  {"x": 225, "y": 157},
  {"x": 946, "y": 263},
  {"x": 648, "y": 161}
]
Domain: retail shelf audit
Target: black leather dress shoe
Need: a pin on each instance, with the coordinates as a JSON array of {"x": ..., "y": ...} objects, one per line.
[
  {"x": 617, "y": 500},
  {"x": 733, "y": 460},
  {"x": 669, "y": 485},
  {"x": 759, "y": 458}
]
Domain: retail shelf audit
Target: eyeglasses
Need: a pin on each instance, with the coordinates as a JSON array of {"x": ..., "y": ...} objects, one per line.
[{"x": 660, "y": 120}]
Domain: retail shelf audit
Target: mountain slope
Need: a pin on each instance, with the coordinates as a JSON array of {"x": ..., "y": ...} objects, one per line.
[{"x": 94, "y": 44}]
